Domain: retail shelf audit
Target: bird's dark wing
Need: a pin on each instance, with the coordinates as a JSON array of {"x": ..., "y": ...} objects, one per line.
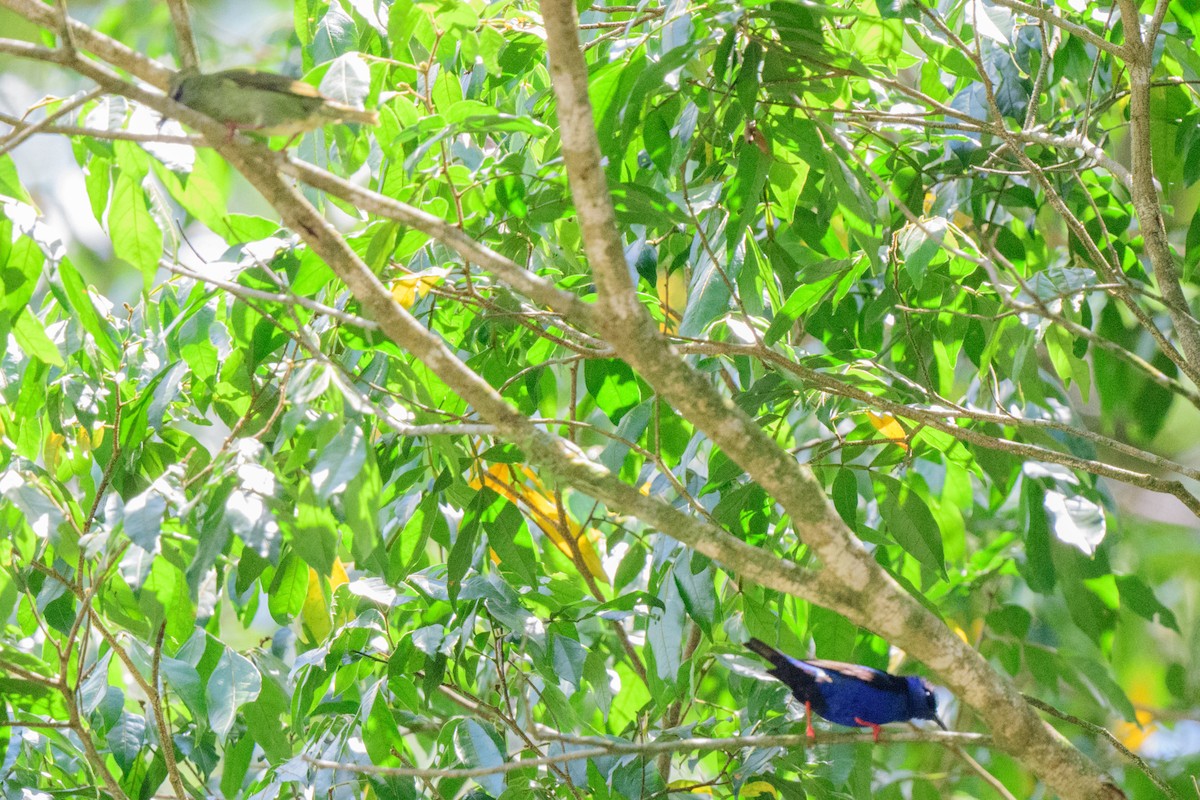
[
  {"x": 786, "y": 665},
  {"x": 873, "y": 677},
  {"x": 269, "y": 82},
  {"x": 765, "y": 651}
]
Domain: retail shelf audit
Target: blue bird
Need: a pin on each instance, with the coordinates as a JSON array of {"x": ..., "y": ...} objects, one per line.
[{"x": 850, "y": 694}]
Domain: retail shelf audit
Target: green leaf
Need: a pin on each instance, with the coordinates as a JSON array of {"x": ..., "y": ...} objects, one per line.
[
  {"x": 314, "y": 535},
  {"x": 265, "y": 727},
  {"x": 744, "y": 192},
  {"x": 803, "y": 298},
  {"x": 126, "y": 740},
  {"x": 10, "y": 181},
  {"x": 1070, "y": 367},
  {"x": 184, "y": 680},
  {"x": 909, "y": 520},
  {"x": 709, "y": 291},
  {"x": 135, "y": 235},
  {"x": 568, "y": 659},
  {"x": 1038, "y": 566},
  {"x": 362, "y": 499},
  {"x": 612, "y": 385},
  {"x": 697, "y": 591},
  {"x": 845, "y": 496},
  {"x": 475, "y": 747},
  {"x": 1098, "y": 675},
  {"x": 920, "y": 245},
  {"x": 461, "y": 555},
  {"x": 236, "y": 765},
  {"x": 163, "y": 600},
  {"x": 787, "y": 181},
  {"x": 347, "y": 80},
  {"x": 335, "y": 35},
  {"x": 339, "y": 462},
  {"x": 234, "y": 682},
  {"x": 32, "y": 339},
  {"x": 285, "y": 597},
  {"x": 631, "y": 566},
  {"x": 747, "y": 81},
  {"x": 664, "y": 632},
  {"x": 78, "y": 301},
  {"x": 143, "y": 519},
  {"x": 1139, "y": 598},
  {"x": 22, "y": 267}
]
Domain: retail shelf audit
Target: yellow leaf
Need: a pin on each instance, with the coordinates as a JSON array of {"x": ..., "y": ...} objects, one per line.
[
  {"x": 338, "y": 576},
  {"x": 889, "y": 427},
  {"x": 315, "y": 611},
  {"x": 525, "y": 490},
  {"x": 758, "y": 789},
  {"x": 968, "y": 638},
  {"x": 672, "y": 297},
  {"x": 47, "y": 100},
  {"x": 83, "y": 440},
  {"x": 52, "y": 452},
  {"x": 407, "y": 289},
  {"x": 837, "y": 224},
  {"x": 1131, "y": 735}
]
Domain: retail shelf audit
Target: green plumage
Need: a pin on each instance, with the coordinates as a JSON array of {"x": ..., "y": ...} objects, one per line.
[{"x": 262, "y": 102}]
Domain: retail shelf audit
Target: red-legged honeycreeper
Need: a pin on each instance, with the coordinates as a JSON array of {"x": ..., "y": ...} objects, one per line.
[
  {"x": 850, "y": 694},
  {"x": 262, "y": 102}
]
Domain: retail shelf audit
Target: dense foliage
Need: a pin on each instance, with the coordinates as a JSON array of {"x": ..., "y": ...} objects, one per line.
[{"x": 910, "y": 241}]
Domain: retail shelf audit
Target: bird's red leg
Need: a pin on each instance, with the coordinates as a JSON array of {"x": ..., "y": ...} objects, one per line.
[
  {"x": 808, "y": 720},
  {"x": 874, "y": 728}
]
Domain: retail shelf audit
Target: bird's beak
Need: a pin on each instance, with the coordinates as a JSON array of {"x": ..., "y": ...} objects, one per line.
[{"x": 941, "y": 724}]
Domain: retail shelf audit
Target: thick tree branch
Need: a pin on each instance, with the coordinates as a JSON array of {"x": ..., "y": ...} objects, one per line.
[
  {"x": 1138, "y": 55},
  {"x": 1066, "y": 25},
  {"x": 872, "y": 598},
  {"x": 545, "y": 449}
]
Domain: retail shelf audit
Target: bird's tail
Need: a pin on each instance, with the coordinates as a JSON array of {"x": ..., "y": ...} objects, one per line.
[
  {"x": 794, "y": 674},
  {"x": 346, "y": 113},
  {"x": 761, "y": 648}
]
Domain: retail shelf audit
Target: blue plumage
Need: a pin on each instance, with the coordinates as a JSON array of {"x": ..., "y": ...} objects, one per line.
[{"x": 850, "y": 694}]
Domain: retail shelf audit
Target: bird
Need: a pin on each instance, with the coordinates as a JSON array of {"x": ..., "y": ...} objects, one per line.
[
  {"x": 262, "y": 102},
  {"x": 850, "y": 694}
]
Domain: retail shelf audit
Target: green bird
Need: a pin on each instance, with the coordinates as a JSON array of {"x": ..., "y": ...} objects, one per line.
[{"x": 262, "y": 102}]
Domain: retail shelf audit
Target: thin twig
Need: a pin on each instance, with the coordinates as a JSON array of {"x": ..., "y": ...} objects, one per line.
[
  {"x": 1104, "y": 733},
  {"x": 597, "y": 748}
]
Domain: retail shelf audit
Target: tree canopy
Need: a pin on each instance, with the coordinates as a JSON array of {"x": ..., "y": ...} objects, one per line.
[{"x": 457, "y": 456}]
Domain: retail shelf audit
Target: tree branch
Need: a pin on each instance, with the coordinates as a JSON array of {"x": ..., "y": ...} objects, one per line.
[
  {"x": 868, "y": 596},
  {"x": 1066, "y": 25},
  {"x": 1146, "y": 203},
  {"x": 595, "y": 748}
]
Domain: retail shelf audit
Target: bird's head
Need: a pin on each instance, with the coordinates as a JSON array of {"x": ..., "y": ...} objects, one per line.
[
  {"x": 922, "y": 702},
  {"x": 180, "y": 84}
]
